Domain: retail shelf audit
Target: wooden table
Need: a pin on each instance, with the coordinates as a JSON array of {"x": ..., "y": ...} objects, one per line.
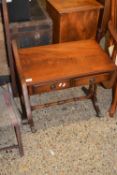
[
  {"x": 73, "y": 19},
  {"x": 61, "y": 66}
]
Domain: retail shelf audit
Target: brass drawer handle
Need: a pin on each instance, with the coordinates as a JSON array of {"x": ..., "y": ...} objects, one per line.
[{"x": 62, "y": 85}]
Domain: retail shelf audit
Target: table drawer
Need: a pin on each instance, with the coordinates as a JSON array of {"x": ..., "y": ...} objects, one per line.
[
  {"x": 59, "y": 85},
  {"x": 96, "y": 78},
  {"x": 64, "y": 84}
]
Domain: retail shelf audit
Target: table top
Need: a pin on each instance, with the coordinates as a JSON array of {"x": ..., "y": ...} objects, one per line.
[
  {"x": 64, "y": 6},
  {"x": 61, "y": 61}
]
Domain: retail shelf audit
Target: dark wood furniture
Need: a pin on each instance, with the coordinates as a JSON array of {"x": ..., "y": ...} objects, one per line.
[
  {"x": 38, "y": 31},
  {"x": 19, "y": 10},
  {"x": 10, "y": 117},
  {"x": 104, "y": 18},
  {"x": 113, "y": 41},
  {"x": 114, "y": 15},
  {"x": 73, "y": 20},
  {"x": 8, "y": 45},
  {"x": 61, "y": 66},
  {"x": 35, "y": 31}
]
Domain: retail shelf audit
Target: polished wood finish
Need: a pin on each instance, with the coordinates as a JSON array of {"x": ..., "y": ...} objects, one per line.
[
  {"x": 61, "y": 66},
  {"x": 114, "y": 14},
  {"x": 73, "y": 20},
  {"x": 104, "y": 18},
  {"x": 41, "y": 64},
  {"x": 113, "y": 33}
]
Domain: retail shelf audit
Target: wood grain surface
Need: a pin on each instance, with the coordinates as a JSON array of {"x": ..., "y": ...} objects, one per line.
[
  {"x": 66, "y": 60},
  {"x": 74, "y": 20}
]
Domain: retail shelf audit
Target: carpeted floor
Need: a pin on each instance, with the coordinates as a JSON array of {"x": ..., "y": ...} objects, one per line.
[{"x": 69, "y": 140}]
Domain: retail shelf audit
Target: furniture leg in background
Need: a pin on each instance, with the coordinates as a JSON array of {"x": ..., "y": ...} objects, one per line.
[{"x": 9, "y": 117}]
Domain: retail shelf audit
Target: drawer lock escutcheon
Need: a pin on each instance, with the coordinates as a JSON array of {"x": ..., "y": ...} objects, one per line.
[{"x": 53, "y": 87}]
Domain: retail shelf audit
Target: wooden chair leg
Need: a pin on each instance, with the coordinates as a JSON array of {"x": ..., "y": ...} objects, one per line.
[
  {"x": 19, "y": 140},
  {"x": 114, "y": 101},
  {"x": 99, "y": 36}
]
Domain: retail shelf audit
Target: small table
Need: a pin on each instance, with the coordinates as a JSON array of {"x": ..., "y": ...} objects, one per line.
[{"x": 73, "y": 19}]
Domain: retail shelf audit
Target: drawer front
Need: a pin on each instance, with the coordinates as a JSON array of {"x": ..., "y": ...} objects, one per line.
[
  {"x": 35, "y": 89},
  {"x": 64, "y": 84},
  {"x": 94, "y": 78}
]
